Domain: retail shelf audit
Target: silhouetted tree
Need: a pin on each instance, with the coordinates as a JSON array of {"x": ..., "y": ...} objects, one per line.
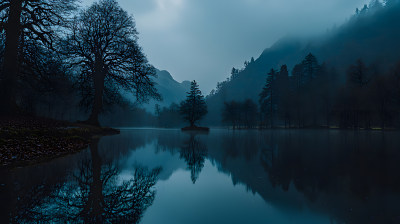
[
  {"x": 194, "y": 107},
  {"x": 390, "y": 3},
  {"x": 22, "y": 21},
  {"x": 383, "y": 91},
  {"x": 326, "y": 90},
  {"x": 231, "y": 114},
  {"x": 310, "y": 69},
  {"x": 250, "y": 113},
  {"x": 267, "y": 97},
  {"x": 102, "y": 45},
  {"x": 364, "y": 10},
  {"x": 357, "y": 74},
  {"x": 240, "y": 114},
  {"x": 234, "y": 73},
  {"x": 375, "y": 5},
  {"x": 194, "y": 153},
  {"x": 354, "y": 100},
  {"x": 283, "y": 94}
]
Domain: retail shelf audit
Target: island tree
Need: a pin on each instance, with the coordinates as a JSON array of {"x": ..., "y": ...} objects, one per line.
[
  {"x": 102, "y": 46},
  {"x": 194, "y": 108},
  {"x": 23, "y": 21}
]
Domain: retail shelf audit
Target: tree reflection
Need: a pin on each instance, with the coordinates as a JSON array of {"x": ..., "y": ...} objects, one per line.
[
  {"x": 194, "y": 152},
  {"x": 345, "y": 175},
  {"x": 95, "y": 193}
]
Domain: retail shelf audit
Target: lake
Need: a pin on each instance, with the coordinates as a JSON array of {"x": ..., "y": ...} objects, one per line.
[{"x": 167, "y": 176}]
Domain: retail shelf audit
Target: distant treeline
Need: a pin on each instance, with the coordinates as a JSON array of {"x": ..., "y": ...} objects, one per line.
[
  {"x": 314, "y": 96},
  {"x": 355, "y": 86}
]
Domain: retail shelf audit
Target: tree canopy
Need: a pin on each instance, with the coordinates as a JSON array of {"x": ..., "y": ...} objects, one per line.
[
  {"x": 194, "y": 107},
  {"x": 102, "y": 46},
  {"x": 27, "y": 25}
]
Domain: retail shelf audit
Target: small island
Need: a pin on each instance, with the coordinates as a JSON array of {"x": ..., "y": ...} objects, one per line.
[
  {"x": 194, "y": 108},
  {"x": 195, "y": 128}
]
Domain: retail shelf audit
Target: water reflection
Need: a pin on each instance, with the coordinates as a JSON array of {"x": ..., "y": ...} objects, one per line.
[
  {"x": 341, "y": 176},
  {"x": 194, "y": 152},
  {"x": 96, "y": 194},
  {"x": 93, "y": 193}
]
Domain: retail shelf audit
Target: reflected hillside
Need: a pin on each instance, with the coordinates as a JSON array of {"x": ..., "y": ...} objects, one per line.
[
  {"x": 343, "y": 174},
  {"x": 351, "y": 177}
]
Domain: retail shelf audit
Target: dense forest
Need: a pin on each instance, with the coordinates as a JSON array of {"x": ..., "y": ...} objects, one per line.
[
  {"x": 349, "y": 79},
  {"x": 314, "y": 96},
  {"x": 68, "y": 63}
]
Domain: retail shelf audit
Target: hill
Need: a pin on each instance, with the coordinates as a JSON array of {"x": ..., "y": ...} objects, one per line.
[{"x": 371, "y": 35}]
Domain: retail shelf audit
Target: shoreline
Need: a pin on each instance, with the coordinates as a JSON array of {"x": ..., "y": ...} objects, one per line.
[{"x": 26, "y": 141}]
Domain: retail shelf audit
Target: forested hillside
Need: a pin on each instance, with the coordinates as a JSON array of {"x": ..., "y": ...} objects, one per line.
[{"x": 368, "y": 40}]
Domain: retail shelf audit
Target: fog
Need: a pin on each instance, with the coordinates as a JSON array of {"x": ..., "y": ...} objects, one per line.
[{"x": 203, "y": 40}]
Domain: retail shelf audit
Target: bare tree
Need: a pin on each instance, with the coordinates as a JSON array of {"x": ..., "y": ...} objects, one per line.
[
  {"x": 102, "y": 46},
  {"x": 22, "y": 20}
]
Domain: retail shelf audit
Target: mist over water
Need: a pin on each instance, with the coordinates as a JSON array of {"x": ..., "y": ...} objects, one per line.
[
  {"x": 221, "y": 177},
  {"x": 182, "y": 111}
]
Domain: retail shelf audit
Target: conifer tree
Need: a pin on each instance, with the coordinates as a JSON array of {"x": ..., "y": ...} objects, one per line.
[
  {"x": 194, "y": 107},
  {"x": 267, "y": 96}
]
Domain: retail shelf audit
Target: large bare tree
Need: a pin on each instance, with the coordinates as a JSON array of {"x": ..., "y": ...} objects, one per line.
[{"x": 102, "y": 46}]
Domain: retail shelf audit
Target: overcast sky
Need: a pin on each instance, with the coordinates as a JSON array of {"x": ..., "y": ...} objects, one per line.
[{"x": 204, "y": 39}]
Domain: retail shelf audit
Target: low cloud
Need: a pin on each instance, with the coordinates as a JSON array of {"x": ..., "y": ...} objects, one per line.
[{"x": 204, "y": 39}]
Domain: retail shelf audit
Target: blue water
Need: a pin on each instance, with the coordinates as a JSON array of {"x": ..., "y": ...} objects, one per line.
[{"x": 167, "y": 176}]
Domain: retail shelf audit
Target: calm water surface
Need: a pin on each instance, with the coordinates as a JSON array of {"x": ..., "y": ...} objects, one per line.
[{"x": 166, "y": 176}]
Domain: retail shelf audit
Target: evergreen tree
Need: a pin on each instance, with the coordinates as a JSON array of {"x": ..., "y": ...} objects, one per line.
[
  {"x": 389, "y": 3},
  {"x": 231, "y": 114},
  {"x": 267, "y": 97},
  {"x": 375, "y": 5},
  {"x": 284, "y": 94},
  {"x": 357, "y": 74},
  {"x": 234, "y": 73},
  {"x": 295, "y": 77},
  {"x": 282, "y": 82},
  {"x": 194, "y": 107},
  {"x": 311, "y": 68},
  {"x": 250, "y": 112},
  {"x": 364, "y": 10}
]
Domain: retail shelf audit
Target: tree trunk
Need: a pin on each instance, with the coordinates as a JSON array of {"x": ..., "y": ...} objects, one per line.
[
  {"x": 98, "y": 82},
  {"x": 10, "y": 65},
  {"x": 94, "y": 208}
]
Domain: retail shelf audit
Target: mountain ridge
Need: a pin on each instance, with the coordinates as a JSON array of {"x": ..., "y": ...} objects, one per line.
[
  {"x": 372, "y": 37},
  {"x": 171, "y": 90}
]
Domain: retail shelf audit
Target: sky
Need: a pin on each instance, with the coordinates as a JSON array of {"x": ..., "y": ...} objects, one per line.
[{"x": 203, "y": 39}]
